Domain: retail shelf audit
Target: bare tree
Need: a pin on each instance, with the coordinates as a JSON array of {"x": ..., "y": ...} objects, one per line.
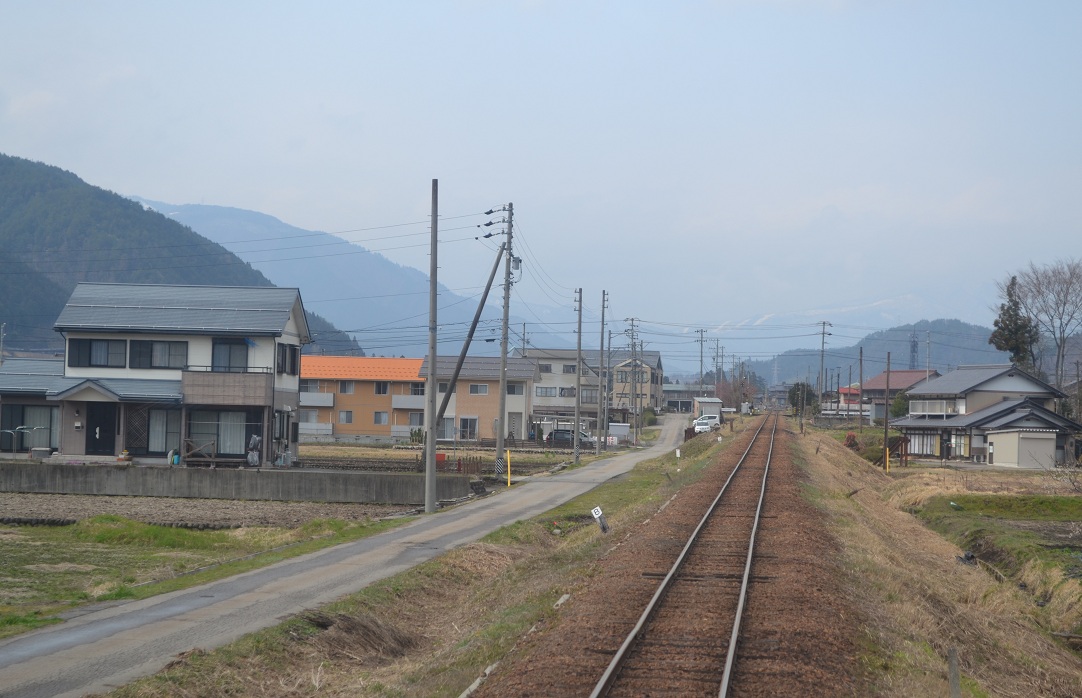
[{"x": 1052, "y": 296}]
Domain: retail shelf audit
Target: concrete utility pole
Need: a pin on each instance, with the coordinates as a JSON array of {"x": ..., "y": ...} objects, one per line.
[
  {"x": 578, "y": 374},
  {"x": 701, "y": 340},
  {"x": 602, "y": 380},
  {"x": 822, "y": 349},
  {"x": 633, "y": 379},
  {"x": 886, "y": 420},
  {"x": 430, "y": 388},
  {"x": 501, "y": 428}
]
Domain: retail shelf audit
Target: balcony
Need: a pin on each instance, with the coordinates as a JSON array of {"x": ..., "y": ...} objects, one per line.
[
  {"x": 317, "y": 399},
  {"x": 316, "y": 428},
  {"x": 407, "y": 402},
  {"x": 219, "y": 388}
]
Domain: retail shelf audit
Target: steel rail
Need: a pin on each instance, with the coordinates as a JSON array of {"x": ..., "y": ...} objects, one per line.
[
  {"x": 730, "y": 655},
  {"x": 607, "y": 679}
]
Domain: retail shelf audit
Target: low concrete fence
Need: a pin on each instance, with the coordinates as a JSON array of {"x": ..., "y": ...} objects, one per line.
[{"x": 227, "y": 483}]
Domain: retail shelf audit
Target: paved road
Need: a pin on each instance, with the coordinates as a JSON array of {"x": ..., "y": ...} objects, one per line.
[{"x": 107, "y": 648}]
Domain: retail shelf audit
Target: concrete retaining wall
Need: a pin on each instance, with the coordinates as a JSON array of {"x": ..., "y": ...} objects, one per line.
[{"x": 224, "y": 483}]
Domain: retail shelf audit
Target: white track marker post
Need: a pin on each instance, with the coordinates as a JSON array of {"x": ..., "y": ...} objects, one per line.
[{"x": 508, "y": 454}]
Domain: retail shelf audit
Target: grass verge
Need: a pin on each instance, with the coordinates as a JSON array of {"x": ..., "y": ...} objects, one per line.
[{"x": 49, "y": 570}]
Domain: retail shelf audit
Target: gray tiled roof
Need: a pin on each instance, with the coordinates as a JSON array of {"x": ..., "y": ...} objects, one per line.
[
  {"x": 30, "y": 376},
  {"x": 223, "y": 310},
  {"x": 967, "y": 378},
  {"x": 482, "y": 367},
  {"x": 994, "y": 416},
  {"x": 591, "y": 357},
  {"x": 45, "y": 378},
  {"x": 124, "y": 389}
]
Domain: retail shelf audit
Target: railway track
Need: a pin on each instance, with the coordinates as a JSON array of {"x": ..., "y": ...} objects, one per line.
[{"x": 686, "y": 641}]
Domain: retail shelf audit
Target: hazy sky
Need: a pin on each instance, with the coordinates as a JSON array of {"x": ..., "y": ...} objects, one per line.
[{"x": 710, "y": 164}]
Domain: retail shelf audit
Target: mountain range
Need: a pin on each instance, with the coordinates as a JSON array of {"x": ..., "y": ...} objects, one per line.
[{"x": 57, "y": 230}]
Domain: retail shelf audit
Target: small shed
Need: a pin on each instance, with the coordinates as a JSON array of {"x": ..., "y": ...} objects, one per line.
[{"x": 706, "y": 405}]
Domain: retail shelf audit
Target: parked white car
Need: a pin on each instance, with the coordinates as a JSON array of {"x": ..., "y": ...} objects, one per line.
[{"x": 706, "y": 423}]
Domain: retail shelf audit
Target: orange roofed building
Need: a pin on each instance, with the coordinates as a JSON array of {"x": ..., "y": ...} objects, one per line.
[{"x": 362, "y": 399}]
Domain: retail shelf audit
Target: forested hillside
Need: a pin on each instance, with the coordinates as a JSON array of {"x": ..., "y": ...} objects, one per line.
[{"x": 56, "y": 230}]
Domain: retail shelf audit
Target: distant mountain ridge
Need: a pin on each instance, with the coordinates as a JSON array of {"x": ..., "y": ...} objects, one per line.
[
  {"x": 56, "y": 230},
  {"x": 940, "y": 345}
]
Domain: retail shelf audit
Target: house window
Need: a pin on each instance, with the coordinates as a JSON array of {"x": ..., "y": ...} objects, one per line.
[
  {"x": 542, "y": 391},
  {"x": 163, "y": 430},
  {"x": 109, "y": 353},
  {"x": 516, "y": 389},
  {"x": 288, "y": 359},
  {"x": 229, "y": 355},
  {"x": 417, "y": 419},
  {"x": 544, "y": 368},
  {"x": 443, "y": 387},
  {"x": 569, "y": 368},
  {"x": 467, "y": 428},
  {"x": 41, "y": 423},
  {"x": 622, "y": 377},
  {"x": 567, "y": 392},
  {"x": 382, "y": 387},
  {"x": 478, "y": 389},
  {"x": 144, "y": 354},
  {"x": 308, "y": 416},
  {"x": 308, "y": 385},
  {"x": 417, "y": 388},
  {"x": 380, "y": 418},
  {"x": 225, "y": 432},
  {"x": 345, "y": 416},
  {"x": 446, "y": 429},
  {"x": 345, "y": 387},
  {"x": 589, "y": 396}
]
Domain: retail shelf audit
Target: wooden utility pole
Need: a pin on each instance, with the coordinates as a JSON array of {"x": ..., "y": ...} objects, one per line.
[{"x": 860, "y": 394}]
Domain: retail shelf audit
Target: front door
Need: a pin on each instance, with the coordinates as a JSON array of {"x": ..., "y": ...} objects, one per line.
[{"x": 100, "y": 428}]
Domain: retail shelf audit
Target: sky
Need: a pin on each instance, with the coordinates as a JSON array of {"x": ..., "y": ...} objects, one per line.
[{"x": 745, "y": 168}]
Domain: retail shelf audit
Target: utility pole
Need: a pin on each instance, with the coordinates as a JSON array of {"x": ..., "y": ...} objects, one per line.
[
  {"x": 633, "y": 378},
  {"x": 860, "y": 395},
  {"x": 822, "y": 350},
  {"x": 2, "y": 326},
  {"x": 602, "y": 382},
  {"x": 578, "y": 374},
  {"x": 430, "y": 388},
  {"x": 501, "y": 428},
  {"x": 886, "y": 420},
  {"x": 701, "y": 340}
]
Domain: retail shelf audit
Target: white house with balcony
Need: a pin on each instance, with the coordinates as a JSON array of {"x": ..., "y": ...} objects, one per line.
[
  {"x": 161, "y": 370},
  {"x": 995, "y": 413}
]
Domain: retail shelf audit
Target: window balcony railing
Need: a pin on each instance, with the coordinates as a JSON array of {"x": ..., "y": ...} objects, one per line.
[{"x": 933, "y": 407}]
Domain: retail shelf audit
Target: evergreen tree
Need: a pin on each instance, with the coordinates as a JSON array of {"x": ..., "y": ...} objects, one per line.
[{"x": 1015, "y": 332}]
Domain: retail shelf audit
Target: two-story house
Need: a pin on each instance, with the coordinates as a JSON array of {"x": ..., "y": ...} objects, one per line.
[
  {"x": 474, "y": 403},
  {"x": 555, "y": 396},
  {"x": 159, "y": 370},
  {"x": 364, "y": 399},
  {"x": 998, "y": 413}
]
